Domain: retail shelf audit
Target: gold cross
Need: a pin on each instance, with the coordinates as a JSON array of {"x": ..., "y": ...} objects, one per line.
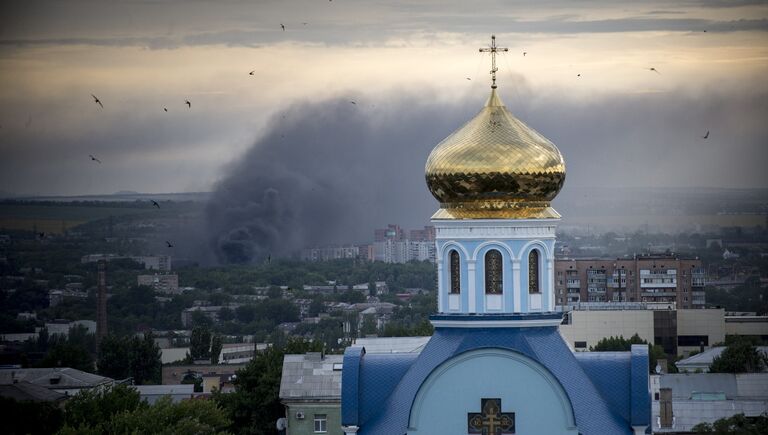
[
  {"x": 490, "y": 420},
  {"x": 493, "y": 49}
]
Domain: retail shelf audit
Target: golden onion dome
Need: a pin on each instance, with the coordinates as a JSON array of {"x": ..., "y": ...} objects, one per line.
[{"x": 495, "y": 167}]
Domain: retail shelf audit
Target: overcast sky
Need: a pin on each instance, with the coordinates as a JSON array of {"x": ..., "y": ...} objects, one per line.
[{"x": 404, "y": 63}]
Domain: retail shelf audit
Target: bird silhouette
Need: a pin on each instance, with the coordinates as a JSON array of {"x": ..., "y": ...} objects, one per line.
[
  {"x": 189, "y": 105},
  {"x": 97, "y": 101},
  {"x": 353, "y": 103},
  {"x": 304, "y": 24},
  {"x": 706, "y": 136},
  {"x": 170, "y": 245},
  {"x": 654, "y": 70},
  {"x": 165, "y": 108},
  {"x": 94, "y": 158},
  {"x": 155, "y": 203},
  {"x": 524, "y": 53},
  {"x": 467, "y": 78},
  {"x": 578, "y": 75},
  {"x": 252, "y": 72},
  {"x": 283, "y": 26}
]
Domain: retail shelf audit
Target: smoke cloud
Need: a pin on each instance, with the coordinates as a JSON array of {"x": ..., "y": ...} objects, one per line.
[{"x": 329, "y": 172}]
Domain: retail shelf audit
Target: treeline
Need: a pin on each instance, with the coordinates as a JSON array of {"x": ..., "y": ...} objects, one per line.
[{"x": 296, "y": 274}]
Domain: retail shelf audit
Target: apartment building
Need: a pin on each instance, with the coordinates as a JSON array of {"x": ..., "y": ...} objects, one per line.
[{"x": 656, "y": 278}]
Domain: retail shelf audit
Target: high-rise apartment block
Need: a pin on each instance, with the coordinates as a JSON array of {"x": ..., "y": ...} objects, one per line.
[
  {"x": 391, "y": 245},
  {"x": 652, "y": 278}
]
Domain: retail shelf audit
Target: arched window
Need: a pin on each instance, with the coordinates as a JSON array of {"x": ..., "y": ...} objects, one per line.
[
  {"x": 493, "y": 272},
  {"x": 455, "y": 272},
  {"x": 533, "y": 272}
]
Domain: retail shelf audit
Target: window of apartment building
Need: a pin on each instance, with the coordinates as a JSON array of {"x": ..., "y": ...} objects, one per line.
[{"x": 321, "y": 423}]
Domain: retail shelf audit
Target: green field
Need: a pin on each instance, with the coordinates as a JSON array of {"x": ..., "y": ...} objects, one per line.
[{"x": 56, "y": 218}]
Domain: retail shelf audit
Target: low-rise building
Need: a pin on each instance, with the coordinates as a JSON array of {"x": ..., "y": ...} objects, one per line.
[
  {"x": 177, "y": 393},
  {"x": 63, "y": 380},
  {"x": 681, "y": 401},
  {"x": 310, "y": 390},
  {"x": 701, "y": 361},
  {"x": 678, "y": 331}
]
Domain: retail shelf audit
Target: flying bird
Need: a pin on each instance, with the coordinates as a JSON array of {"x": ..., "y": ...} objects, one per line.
[
  {"x": 304, "y": 24},
  {"x": 283, "y": 26},
  {"x": 170, "y": 245},
  {"x": 252, "y": 72},
  {"x": 94, "y": 158},
  {"x": 353, "y": 103},
  {"x": 97, "y": 101},
  {"x": 155, "y": 203},
  {"x": 165, "y": 108},
  {"x": 706, "y": 136},
  {"x": 654, "y": 70},
  {"x": 189, "y": 105},
  {"x": 467, "y": 78},
  {"x": 578, "y": 75},
  {"x": 524, "y": 53}
]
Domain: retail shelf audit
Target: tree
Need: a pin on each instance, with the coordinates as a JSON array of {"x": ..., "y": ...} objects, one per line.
[
  {"x": 91, "y": 408},
  {"x": 68, "y": 355},
  {"x": 740, "y": 356},
  {"x": 200, "y": 343},
  {"x": 26, "y": 417},
  {"x": 738, "y": 424},
  {"x": 119, "y": 410},
  {"x": 255, "y": 405},
  {"x": 146, "y": 364},
  {"x": 216, "y": 346},
  {"x": 134, "y": 357},
  {"x": 621, "y": 344}
]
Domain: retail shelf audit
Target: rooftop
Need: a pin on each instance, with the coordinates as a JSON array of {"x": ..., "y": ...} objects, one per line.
[
  {"x": 311, "y": 376},
  {"x": 54, "y": 378}
]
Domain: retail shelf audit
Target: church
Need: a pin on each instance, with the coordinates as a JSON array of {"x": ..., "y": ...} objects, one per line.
[{"x": 496, "y": 363}]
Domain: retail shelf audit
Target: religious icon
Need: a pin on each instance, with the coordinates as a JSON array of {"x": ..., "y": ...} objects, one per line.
[{"x": 491, "y": 421}]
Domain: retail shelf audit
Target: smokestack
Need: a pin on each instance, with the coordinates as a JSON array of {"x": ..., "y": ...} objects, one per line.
[{"x": 101, "y": 303}]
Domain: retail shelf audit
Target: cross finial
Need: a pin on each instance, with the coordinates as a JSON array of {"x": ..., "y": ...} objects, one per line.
[{"x": 493, "y": 49}]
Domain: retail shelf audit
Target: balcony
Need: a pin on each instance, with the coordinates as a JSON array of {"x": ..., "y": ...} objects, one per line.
[{"x": 573, "y": 283}]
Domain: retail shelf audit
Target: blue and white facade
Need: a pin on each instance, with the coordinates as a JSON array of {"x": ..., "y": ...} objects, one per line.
[
  {"x": 515, "y": 240},
  {"x": 496, "y": 363}
]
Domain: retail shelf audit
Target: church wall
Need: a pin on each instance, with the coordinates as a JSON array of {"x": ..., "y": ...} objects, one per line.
[
  {"x": 524, "y": 386},
  {"x": 515, "y": 274}
]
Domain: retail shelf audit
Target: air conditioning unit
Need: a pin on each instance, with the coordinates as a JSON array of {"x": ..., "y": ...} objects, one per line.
[{"x": 299, "y": 415}]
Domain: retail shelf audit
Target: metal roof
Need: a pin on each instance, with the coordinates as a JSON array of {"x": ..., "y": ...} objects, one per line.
[
  {"x": 311, "y": 376},
  {"x": 56, "y": 378},
  {"x": 392, "y": 344},
  {"x": 25, "y": 391}
]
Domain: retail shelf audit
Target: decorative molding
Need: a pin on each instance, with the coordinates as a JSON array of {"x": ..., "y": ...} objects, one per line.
[
  {"x": 495, "y": 323},
  {"x": 496, "y": 231}
]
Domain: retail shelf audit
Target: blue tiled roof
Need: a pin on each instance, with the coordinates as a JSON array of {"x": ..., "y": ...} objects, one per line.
[
  {"x": 373, "y": 399},
  {"x": 610, "y": 372}
]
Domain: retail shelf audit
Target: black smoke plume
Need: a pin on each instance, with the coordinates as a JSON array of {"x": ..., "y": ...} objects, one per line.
[{"x": 328, "y": 172}]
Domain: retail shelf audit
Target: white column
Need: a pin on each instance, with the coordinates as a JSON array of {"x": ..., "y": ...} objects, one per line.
[
  {"x": 440, "y": 289},
  {"x": 350, "y": 430},
  {"x": 516, "y": 285},
  {"x": 551, "y": 284},
  {"x": 471, "y": 286}
]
